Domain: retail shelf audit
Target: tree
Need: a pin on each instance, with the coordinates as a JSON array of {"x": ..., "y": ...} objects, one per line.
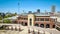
[
  {"x": 7, "y": 21},
  {"x": 15, "y": 13},
  {"x": 0, "y": 18},
  {"x": 2, "y": 15}
]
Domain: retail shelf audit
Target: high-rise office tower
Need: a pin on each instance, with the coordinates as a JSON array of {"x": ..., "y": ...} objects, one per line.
[
  {"x": 53, "y": 8},
  {"x": 38, "y": 10}
]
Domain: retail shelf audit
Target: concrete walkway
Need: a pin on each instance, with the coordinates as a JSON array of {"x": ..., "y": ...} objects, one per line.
[{"x": 25, "y": 30}]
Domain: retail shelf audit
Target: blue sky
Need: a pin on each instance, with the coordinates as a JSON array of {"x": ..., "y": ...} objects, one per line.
[{"x": 28, "y": 5}]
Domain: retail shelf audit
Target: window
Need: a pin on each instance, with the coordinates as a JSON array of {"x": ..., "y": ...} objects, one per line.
[
  {"x": 42, "y": 25},
  {"x": 36, "y": 24},
  {"x": 30, "y": 21},
  {"x": 41, "y": 19},
  {"x": 25, "y": 18},
  {"x": 53, "y": 26},
  {"x": 37, "y": 19},
  {"x": 47, "y": 26},
  {"x": 46, "y": 19},
  {"x": 19, "y": 18},
  {"x": 26, "y": 24}
]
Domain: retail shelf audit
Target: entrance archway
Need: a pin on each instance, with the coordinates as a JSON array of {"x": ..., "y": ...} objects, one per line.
[
  {"x": 25, "y": 24},
  {"x": 42, "y": 25},
  {"x": 30, "y": 21},
  {"x": 22, "y": 23},
  {"x": 53, "y": 26},
  {"x": 47, "y": 26},
  {"x": 36, "y": 24}
]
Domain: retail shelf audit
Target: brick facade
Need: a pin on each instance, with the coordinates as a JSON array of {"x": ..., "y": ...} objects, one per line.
[{"x": 45, "y": 22}]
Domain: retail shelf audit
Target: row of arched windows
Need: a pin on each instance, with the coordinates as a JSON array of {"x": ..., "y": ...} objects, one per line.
[
  {"x": 24, "y": 23},
  {"x": 42, "y": 25}
]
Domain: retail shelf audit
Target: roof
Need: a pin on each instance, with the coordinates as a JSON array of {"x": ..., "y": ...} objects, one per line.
[
  {"x": 24, "y": 14},
  {"x": 41, "y": 14},
  {"x": 54, "y": 17},
  {"x": 36, "y": 14},
  {"x": 14, "y": 17}
]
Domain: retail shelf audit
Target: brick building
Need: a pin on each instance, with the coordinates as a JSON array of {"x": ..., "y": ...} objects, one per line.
[{"x": 37, "y": 19}]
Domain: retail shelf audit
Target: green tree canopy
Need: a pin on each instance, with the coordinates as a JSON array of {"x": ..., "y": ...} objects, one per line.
[
  {"x": 7, "y": 21},
  {"x": 0, "y": 18}
]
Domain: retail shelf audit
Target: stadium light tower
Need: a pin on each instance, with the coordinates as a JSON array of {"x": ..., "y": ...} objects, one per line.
[
  {"x": 18, "y": 5},
  {"x": 18, "y": 11}
]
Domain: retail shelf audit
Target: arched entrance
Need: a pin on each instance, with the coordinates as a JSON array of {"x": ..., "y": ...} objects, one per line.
[
  {"x": 42, "y": 25},
  {"x": 53, "y": 26},
  {"x": 47, "y": 26},
  {"x": 25, "y": 24},
  {"x": 22, "y": 23},
  {"x": 30, "y": 21},
  {"x": 36, "y": 24}
]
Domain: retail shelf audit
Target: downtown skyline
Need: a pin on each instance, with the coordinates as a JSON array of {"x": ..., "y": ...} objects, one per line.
[{"x": 28, "y": 5}]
